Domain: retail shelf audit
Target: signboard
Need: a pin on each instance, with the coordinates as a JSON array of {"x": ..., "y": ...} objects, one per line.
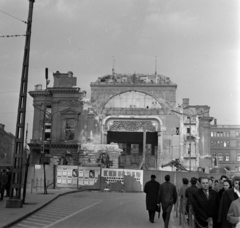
[
  {"x": 67, "y": 176},
  {"x": 114, "y": 175},
  {"x": 88, "y": 175}
]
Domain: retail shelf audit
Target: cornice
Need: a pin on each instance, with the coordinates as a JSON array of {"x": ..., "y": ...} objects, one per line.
[
  {"x": 53, "y": 145},
  {"x": 66, "y": 90},
  {"x": 40, "y": 93},
  {"x": 132, "y": 85}
]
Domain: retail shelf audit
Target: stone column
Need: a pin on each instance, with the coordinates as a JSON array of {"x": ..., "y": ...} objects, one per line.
[
  {"x": 104, "y": 138},
  {"x": 160, "y": 149},
  {"x": 90, "y": 125}
]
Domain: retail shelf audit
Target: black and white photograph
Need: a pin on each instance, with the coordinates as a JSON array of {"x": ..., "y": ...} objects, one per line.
[{"x": 137, "y": 100}]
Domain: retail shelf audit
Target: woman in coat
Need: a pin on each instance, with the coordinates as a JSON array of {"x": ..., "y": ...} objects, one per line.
[
  {"x": 233, "y": 215},
  {"x": 226, "y": 185},
  {"x": 228, "y": 197},
  {"x": 183, "y": 198}
]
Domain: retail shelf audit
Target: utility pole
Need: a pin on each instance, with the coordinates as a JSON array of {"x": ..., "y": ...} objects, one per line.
[
  {"x": 43, "y": 135},
  {"x": 14, "y": 200},
  {"x": 26, "y": 167}
]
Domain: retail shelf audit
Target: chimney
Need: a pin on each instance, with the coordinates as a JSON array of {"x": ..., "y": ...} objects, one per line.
[
  {"x": 215, "y": 121},
  {"x": 2, "y": 126},
  {"x": 185, "y": 102}
]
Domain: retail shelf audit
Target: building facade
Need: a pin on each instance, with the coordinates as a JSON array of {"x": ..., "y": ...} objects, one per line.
[
  {"x": 225, "y": 145},
  {"x": 133, "y": 118},
  {"x": 7, "y": 141}
]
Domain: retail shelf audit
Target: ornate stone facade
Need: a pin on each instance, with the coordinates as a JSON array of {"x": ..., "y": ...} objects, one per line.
[{"x": 135, "y": 112}]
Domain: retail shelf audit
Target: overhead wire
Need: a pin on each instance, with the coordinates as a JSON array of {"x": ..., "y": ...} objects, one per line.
[
  {"x": 8, "y": 36},
  {"x": 14, "y": 17}
]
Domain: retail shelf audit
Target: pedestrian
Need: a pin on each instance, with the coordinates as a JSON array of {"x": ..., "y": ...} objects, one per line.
[
  {"x": 9, "y": 175},
  {"x": 167, "y": 197},
  {"x": 205, "y": 204},
  {"x": 151, "y": 189},
  {"x": 227, "y": 197},
  {"x": 189, "y": 192},
  {"x": 233, "y": 215},
  {"x": 183, "y": 199},
  {"x": 216, "y": 186},
  {"x": 210, "y": 183},
  {"x": 226, "y": 185},
  {"x": 3, "y": 183},
  {"x": 222, "y": 179}
]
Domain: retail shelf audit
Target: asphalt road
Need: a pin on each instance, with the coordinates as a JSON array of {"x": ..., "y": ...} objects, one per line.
[{"x": 94, "y": 210}]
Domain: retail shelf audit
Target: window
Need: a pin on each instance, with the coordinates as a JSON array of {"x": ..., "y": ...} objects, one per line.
[
  {"x": 220, "y": 157},
  {"x": 224, "y": 134},
  {"x": 188, "y": 130},
  {"x": 228, "y": 143},
  {"x": 225, "y": 144},
  {"x": 227, "y": 133},
  {"x": 70, "y": 129},
  {"x": 218, "y": 134},
  {"x": 211, "y": 134},
  {"x": 227, "y": 157},
  {"x": 237, "y": 134},
  {"x": 238, "y": 157}
]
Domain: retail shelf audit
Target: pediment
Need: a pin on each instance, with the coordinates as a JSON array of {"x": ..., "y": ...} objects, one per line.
[{"x": 70, "y": 111}]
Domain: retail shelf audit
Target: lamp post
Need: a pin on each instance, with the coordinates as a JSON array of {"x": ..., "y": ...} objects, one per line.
[{"x": 190, "y": 131}]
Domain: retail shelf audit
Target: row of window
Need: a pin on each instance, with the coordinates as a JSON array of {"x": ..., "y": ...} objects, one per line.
[
  {"x": 223, "y": 134},
  {"x": 220, "y": 143},
  {"x": 226, "y": 157}
]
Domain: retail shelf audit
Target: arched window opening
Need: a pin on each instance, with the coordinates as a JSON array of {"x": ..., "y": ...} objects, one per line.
[{"x": 220, "y": 157}]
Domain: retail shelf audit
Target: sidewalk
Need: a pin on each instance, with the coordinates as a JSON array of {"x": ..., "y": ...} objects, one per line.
[{"x": 34, "y": 201}]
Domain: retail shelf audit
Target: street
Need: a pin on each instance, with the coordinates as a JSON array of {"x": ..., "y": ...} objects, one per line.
[{"x": 94, "y": 210}]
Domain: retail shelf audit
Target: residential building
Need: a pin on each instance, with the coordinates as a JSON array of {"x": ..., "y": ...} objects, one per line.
[
  {"x": 225, "y": 145},
  {"x": 6, "y": 147}
]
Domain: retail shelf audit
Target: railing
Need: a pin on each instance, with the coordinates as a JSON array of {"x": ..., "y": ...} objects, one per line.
[{"x": 182, "y": 216}]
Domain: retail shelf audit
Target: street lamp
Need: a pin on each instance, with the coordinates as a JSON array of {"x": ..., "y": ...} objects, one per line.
[{"x": 190, "y": 132}]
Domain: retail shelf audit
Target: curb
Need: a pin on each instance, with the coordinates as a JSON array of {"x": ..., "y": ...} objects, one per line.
[{"x": 42, "y": 206}]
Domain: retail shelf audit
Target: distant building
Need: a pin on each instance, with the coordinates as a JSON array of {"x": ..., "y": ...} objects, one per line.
[
  {"x": 6, "y": 147},
  {"x": 136, "y": 112},
  {"x": 225, "y": 145}
]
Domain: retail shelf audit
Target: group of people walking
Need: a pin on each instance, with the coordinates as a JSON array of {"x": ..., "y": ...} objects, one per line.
[
  {"x": 5, "y": 182},
  {"x": 207, "y": 199},
  {"x": 164, "y": 195}
]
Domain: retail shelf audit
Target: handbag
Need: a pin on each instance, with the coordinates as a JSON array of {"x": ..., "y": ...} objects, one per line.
[{"x": 158, "y": 209}]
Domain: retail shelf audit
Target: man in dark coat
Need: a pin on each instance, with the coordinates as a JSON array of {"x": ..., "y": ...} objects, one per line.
[
  {"x": 167, "y": 196},
  {"x": 205, "y": 204},
  {"x": 3, "y": 182},
  {"x": 151, "y": 189},
  {"x": 189, "y": 192},
  {"x": 8, "y": 185}
]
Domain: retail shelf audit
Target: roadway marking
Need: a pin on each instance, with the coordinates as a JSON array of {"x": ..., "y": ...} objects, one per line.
[{"x": 72, "y": 214}]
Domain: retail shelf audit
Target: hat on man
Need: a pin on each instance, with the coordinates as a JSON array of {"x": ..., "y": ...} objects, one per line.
[
  {"x": 193, "y": 180},
  {"x": 153, "y": 176}
]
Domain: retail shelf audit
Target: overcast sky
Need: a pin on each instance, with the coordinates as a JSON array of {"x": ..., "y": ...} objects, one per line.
[{"x": 196, "y": 43}]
